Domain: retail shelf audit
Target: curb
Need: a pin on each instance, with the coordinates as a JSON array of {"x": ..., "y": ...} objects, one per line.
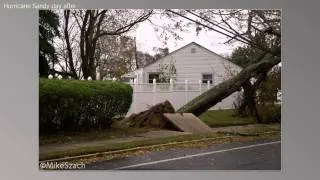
[{"x": 140, "y": 148}]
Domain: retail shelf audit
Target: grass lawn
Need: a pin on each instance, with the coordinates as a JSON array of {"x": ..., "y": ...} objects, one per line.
[
  {"x": 218, "y": 118},
  {"x": 215, "y": 118},
  {"x": 78, "y": 137}
]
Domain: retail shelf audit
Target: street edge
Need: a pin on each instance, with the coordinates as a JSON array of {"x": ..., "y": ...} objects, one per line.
[{"x": 140, "y": 148}]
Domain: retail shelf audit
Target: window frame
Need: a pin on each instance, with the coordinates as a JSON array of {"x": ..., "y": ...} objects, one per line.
[
  {"x": 150, "y": 81},
  {"x": 205, "y": 81}
]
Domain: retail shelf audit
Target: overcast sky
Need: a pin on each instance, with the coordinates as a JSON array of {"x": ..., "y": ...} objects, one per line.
[{"x": 147, "y": 39}]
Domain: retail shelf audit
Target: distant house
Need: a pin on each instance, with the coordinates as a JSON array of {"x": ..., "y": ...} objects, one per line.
[{"x": 192, "y": 62}]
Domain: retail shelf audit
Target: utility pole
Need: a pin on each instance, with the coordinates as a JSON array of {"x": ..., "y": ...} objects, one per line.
[{"x": 135, "y": 63}]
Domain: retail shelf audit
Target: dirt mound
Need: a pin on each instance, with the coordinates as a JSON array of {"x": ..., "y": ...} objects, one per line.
[{"x": 152, "y": 118}]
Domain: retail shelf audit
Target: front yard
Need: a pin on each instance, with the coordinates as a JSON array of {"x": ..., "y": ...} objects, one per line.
[
  {"x": 218, "y": 118},
  {"x": 80, "y": 137}
]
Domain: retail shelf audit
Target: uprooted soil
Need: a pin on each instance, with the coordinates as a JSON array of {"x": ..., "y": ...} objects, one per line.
[{"x": 151, "y": 118}]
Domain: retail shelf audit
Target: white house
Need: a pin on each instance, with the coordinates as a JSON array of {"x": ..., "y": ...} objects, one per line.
[
  {"x": 193, "y": 62},
  {"x": 195, "y": 65}
]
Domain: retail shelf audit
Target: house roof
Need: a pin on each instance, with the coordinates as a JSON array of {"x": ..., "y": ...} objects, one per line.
[{"x": 192, "y": 43}]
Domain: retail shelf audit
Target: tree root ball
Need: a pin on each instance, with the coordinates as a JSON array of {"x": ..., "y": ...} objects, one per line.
[{"x": 151, "y": 118}]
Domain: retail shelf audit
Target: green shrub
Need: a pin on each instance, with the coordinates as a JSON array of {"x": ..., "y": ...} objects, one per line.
[{"x": 73, "y": 105}]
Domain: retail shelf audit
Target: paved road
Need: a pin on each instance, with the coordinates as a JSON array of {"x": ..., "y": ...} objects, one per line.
[{"x": 257, "y": 155}]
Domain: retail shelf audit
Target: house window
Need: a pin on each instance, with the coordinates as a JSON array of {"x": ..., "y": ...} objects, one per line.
[
  {"x": 153, "y": 76},
  {"x": 193, "y": 50},
  {"x": 207, "y": 77}
]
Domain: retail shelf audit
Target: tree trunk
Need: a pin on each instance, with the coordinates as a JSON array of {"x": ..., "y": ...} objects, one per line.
[
  {"x": 88, "y": 45},
  {"x": 250, "y": 98},
  {"x": 69, "y": 50},
  {"x": 248, "y": 106},
  {"x": 216, "y": 94}
]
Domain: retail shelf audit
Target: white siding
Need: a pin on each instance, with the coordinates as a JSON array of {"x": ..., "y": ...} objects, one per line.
[{"x": 191, "y": 66}]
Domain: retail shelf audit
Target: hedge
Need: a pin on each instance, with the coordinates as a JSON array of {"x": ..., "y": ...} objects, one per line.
[{"x": 73, "y": 105}]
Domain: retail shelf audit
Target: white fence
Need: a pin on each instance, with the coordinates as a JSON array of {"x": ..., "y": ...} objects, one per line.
[{"x": 146, "y": 95}]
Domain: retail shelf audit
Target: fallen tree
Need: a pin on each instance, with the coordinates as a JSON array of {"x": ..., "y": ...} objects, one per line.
[
  {"x": 154, "y": 118},
  {"x": 216, "y": 94}
]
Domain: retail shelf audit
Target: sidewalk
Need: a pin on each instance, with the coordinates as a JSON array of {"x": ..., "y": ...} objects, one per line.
[{"x": 44, "y": 149}]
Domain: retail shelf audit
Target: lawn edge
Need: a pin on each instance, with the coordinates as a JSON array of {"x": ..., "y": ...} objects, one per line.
[{"x": 143, "y": 147}]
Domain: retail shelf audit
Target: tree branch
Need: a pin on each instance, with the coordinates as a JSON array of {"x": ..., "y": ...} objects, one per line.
[
  {"x": 125, "y": 28},
  {"x": 204, "y": 25}
]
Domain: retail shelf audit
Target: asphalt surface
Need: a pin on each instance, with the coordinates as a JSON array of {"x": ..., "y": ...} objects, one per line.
[{"x": 256, "y": 155}]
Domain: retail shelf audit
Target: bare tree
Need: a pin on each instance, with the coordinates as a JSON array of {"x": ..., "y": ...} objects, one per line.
[
  {"x": 68, "y": 47},
  {"x": 70, "y": 63},
  {"x": 82, "y": 30},
  {"x": 98, "y": 23}
]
